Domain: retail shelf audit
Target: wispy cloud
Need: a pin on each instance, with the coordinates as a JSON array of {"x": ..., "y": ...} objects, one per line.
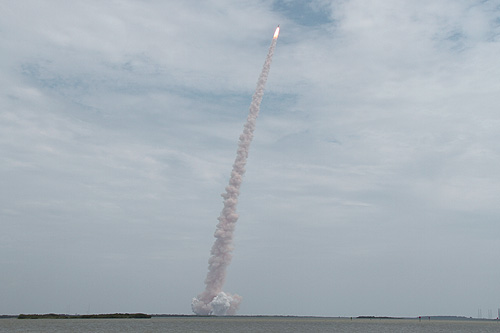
[{"x": 376, "y": 147}]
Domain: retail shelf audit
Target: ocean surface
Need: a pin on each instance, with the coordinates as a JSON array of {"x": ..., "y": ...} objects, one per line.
[{"x": 245, "y": 324}]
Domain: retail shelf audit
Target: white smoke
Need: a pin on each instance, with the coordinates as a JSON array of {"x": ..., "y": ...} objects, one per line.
[
  {"x": 222, "y": 304},
  {"x": 213, "y": 301}
]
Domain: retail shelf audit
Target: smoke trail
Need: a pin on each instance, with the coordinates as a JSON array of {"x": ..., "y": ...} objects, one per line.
[{"x": 213, "y": 300}]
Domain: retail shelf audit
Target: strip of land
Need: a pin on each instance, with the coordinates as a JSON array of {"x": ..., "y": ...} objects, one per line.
[{"x": 89, "y": 316}]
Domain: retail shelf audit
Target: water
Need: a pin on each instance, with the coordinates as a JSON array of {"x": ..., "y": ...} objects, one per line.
[{"x": 245, "y": 324}]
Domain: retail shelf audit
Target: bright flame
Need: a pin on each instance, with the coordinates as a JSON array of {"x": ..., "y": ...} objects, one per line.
[{"x": 276, "y": 33}]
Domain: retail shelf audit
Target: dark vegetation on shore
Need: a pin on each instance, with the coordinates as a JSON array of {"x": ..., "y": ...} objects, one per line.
[
  {"x": 89, "y": 316},
  {"x": 143, "y": 315}
]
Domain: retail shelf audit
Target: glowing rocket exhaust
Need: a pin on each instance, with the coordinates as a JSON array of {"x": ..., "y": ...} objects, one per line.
[
  {"x": 213, "y": 301},
  {"x": 276, "y": 32}
]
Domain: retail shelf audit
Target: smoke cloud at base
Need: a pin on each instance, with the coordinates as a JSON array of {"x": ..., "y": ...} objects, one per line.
[
  {"x": 221, "y": 305},
  {"x": 213, "y": 301}
]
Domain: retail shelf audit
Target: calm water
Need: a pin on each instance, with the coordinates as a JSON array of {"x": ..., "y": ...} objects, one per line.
[{"x": 243, "y": 324}]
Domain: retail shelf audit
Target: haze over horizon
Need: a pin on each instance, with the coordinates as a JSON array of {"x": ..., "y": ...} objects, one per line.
[{"x": 371, "y": 187}]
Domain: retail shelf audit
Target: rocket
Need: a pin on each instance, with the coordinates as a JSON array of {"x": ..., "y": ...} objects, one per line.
[{"x": 276, "y": 32}]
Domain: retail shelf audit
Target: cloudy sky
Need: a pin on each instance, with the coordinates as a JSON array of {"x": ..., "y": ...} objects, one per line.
[{"x": 372, "y": 185}]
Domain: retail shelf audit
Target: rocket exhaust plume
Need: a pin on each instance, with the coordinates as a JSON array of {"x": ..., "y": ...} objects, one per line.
[{"x": 213, "y": 301}]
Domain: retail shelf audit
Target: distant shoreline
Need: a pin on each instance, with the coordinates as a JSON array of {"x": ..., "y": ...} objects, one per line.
[
  {"x": 422, "y": 318},
  {"x": 147, "y": 316},
  {"x": 89, "y": 316}
]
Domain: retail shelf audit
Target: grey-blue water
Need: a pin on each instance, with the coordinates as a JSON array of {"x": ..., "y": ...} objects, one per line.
[{"x": 245, "y": 324}]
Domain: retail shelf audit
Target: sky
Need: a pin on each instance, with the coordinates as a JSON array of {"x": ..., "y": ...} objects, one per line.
[{"x": 372, "y": 183}]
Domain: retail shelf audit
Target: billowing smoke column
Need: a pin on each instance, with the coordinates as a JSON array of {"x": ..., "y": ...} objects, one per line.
[{"x": 213, "y": 301}]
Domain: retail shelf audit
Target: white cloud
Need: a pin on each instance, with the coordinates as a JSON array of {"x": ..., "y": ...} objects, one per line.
[{"x": 376, "y": 147}]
